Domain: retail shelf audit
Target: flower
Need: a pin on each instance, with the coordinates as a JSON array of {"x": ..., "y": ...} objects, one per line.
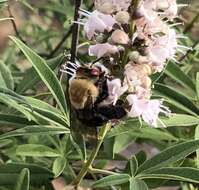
[
  {"x": 163, "y": 48},
  {"x": 102, "y": 50},
  {"x": 148, "y": 110},
  {"x": 115, "y": 90},
  {"x": 98, "y": 22},
  {"x": 137, "y": 75},
  {"x": 110, "y": 6}
]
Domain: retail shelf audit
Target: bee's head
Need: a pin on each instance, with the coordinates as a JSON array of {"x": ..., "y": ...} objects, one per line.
[{"x": 88, "y": 72}]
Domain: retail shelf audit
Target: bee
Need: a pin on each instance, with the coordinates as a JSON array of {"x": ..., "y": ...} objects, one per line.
[{"x": 87, "y": 89}]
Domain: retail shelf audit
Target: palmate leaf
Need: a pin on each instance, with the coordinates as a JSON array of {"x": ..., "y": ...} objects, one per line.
[
  {"x": 35, "y": 130},
  {"x": 137, "y": 184},
  {"x": 45, "y": 73},
  {"x": 9, "y": 174},
  {"x": 175, "y": 173},
  {"x": 23, "y": 181},
  {"x": 169, "y": 155}
]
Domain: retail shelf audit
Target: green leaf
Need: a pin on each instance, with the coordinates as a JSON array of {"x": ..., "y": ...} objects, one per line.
[
  {"x": 174, "y": 71},
  {"x": 121, "y": 142},
  {"x": 14, "y": 120},
  {"x": 9, "y": 174},
  {"x": 23, "y": 180},
  {"x": 197, "y": 138},
  {"x": 31, "y": 77},
  {"x": 136, "y": 132},
  {"x": 137, "y": 184},
  {"x": 12, "y": 103},
  {"x": 197, "y": 85},
  {"x": 45, "y": 73},
  {"x": 6, "y": 77},
  {"x": 176, "y": 173},
  {"x": 47, "y": 111},
  {"x": 141, "y": 157},
  {"x": 170, "y": 155},
  {"x": 35, "y": 130},
  {"x": 180, "y": 120},
  {"x": 175, "y": 98},
  {"x": 58, "y": 166},
  {"x": 36, "y": 150},
  {"x": 111, "y": 180},
  {"x": 132, "y": 166}
]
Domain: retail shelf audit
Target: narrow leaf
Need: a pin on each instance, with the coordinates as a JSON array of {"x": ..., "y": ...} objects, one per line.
[
  {"x": 35, "y": 130},
  {"x": 36, "y": 150},
  {"x": 45, "y": 73},
  {"x": 170, "y": 155},
  {"x": 137, "y": 184},
  {"x": 197, "y": 85},
  {"x": 23, "y": 180},
  {"x": 9, "y": 174},
  {"x": 58, "y": 166},
  {"x": 111, "y": 180},
  {"x": 182, "y": 174}
]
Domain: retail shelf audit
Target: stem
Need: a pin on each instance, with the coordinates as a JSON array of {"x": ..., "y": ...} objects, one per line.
[
  {"x": 88, "y": 165},
  {"x": 75, "y": 30},
  {"x": 14, "y": 24}
]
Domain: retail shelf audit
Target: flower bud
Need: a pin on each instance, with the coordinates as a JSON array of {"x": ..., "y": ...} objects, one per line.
[
  {"x": 162, "y": 5},
  {"x": 119, "y": 37},
  {"x": 106, "y": 8},
  {"x": 122, "y": 17},
  {"x": 134, "y": 56}
]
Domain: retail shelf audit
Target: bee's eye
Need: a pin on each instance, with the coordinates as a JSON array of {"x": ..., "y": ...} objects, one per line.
[{"x": 95, "y": 72}]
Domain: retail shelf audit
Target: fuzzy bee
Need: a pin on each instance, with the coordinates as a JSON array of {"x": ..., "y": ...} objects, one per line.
[{"x": 87, "y": 89}]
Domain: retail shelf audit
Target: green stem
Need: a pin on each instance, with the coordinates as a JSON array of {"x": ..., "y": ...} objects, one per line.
[{"x": 88, "y": 164}]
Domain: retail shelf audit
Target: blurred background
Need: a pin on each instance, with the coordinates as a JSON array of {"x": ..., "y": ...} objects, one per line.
[{"x": 45, "y": 26}]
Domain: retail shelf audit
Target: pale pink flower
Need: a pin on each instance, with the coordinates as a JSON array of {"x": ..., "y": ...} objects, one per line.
[
  {"x": 169, "y": 7},
  {"x": 98, "y": 22},
  {"x": 102, "y": 50},
  {"x": 148, "y": 110},
  {"x": 148, "y": 29},
  {"x": 163, "y": 48},
  {"x": 114, "y": 5},
  {"x": 115, "y": 90},
  {"x": 146, "y": 9}
]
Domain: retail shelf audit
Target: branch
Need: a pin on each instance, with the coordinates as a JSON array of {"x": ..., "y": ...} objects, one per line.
[
  {"x": 75, "y": 30},
  {"x": 88, "y": 165},
  {"x": 14, "y": 24},
  {"x": 57, "y": 47}
]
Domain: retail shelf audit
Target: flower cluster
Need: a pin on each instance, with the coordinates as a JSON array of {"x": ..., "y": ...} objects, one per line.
[{"x": 134, "y": 39}]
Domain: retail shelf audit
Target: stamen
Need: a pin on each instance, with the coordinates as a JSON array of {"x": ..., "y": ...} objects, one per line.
[
  {"x": 183, "y": 5},
  {"x": 77, "y": 22},
  {"x": 85, "y": 11},
  {"x": 176, "y": 24}
]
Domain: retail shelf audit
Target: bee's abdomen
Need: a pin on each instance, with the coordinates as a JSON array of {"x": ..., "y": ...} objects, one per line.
[{"x": 82, "y": 93}]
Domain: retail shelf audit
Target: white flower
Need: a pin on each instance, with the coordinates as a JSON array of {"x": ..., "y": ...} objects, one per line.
[
  {"x": 102, "y": 50},
  {"x": 115, "y": 90},
  {"x": 98, "y": 22},
  {"x": 148, "y": 110}
]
